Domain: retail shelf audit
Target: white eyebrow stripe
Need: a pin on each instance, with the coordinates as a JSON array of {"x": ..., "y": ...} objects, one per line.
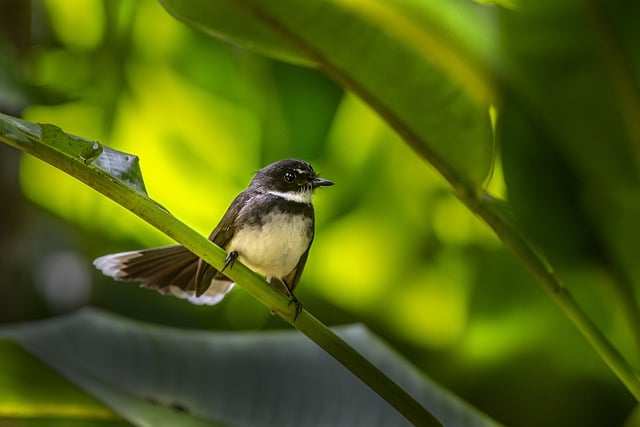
[{"x": 298, "y": 197}]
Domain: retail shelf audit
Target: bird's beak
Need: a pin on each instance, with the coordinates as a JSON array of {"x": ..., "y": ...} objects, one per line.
[{"x": 321, "y": 182}]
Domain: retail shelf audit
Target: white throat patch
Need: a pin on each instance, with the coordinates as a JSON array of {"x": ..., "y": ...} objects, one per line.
[{"x": 298, "y": 197}]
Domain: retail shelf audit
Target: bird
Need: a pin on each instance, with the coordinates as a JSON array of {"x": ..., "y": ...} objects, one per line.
[{"x": 269, "y": 227}]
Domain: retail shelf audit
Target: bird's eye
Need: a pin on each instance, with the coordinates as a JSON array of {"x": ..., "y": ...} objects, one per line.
[{"x": 289, "y": 176}]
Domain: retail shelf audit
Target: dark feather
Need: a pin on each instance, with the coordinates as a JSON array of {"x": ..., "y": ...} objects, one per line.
[
  {"x": 293, "y": 278},
  {"x": 221, "y": 235},
  {"x": 159, "y": 268}
]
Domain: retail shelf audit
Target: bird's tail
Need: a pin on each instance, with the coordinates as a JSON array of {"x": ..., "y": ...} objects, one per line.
[{"x": 169, "y": 270}]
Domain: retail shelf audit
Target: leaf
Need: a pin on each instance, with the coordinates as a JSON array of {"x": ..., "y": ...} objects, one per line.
[
  {"x": 230, "y": 21},
  {"x": 121, "y": 166},
  {"x": 29, "y": 388},
  {"x": 572, "y": 154},
  {"x": 572, "y": 68},
  {"x": 275, "y": 378},
  {"x": 578, "y": 81},
  {"x": 535, "y": 170},
  {"x": 80, "y": 148},
  {"x": 412, "y": 62},
  {"x": 19, "y": 131}
]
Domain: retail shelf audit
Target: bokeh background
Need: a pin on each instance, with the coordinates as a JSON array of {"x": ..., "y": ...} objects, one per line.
[{"x": 394, "y": 247}]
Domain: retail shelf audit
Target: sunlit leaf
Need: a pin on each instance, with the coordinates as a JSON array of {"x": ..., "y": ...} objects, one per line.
[
  {"x": 277, "y": 378},
  {"x": 119, "y": 165},
  {"x": 232, "y": 22},
  {"x": 71, "y": 145},
  {"x": 410, "y": 63}
]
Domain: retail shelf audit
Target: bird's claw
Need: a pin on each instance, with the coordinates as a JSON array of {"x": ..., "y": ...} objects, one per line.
[
  {"x": 298, "y": 305},
  {"x": 229, "y": 260},
  {"x": 288, "y": 292}
]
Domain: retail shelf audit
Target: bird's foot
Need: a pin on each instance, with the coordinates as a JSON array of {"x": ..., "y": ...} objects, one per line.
[
  {"x": 282, "y": 284},
  {"x": 230, "y": 260},
  {"x": 292, "y": 300},
  {"x": 298, "y": 305}
]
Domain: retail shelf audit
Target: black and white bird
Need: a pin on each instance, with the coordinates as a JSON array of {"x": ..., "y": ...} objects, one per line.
[{"x": 269, "y": 227}]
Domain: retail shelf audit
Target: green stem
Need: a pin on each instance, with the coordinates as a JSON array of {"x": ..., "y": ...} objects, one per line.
[
  {"x": 496, "y": 217},
  {"x": 155, "y": 215}
]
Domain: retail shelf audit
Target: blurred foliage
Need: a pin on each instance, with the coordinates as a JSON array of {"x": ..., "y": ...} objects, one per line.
[
  {"x": 394, "y": 249},
  {"x": 144, "y": 372},
  {"x": 30, "y": 388}
]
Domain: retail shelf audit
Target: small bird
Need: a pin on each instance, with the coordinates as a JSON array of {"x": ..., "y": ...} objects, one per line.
[{"x": 269, "y": 227}]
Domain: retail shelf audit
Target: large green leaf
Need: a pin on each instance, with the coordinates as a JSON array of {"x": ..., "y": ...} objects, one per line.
[
  {"x": 29, "y": 389},
  {"x": 536, "y": 171},
  {"x": 571, "y": 69},
  {"x": 413, "y": 62},
  {"x": 571, "y": 137},
  {"x": 230, "y": 21},
  {"x": 154, "y": 375}
]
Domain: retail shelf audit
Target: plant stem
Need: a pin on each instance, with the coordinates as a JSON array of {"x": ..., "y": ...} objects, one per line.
[{"x": 491, "y": 211}]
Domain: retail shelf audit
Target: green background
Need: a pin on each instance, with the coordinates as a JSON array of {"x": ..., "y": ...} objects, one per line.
[{"x": 394, "y": 248}]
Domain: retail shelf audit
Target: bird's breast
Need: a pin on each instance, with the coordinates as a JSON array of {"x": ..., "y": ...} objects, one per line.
[{"x": 274, "y": 247}]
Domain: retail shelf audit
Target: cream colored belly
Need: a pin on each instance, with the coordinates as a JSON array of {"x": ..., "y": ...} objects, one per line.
[{"x": 274, "y": 249}]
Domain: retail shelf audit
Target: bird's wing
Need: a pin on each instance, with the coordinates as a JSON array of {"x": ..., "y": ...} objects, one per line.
[
  {"x": 221, "y": 236},
  {"x": 291, "y": 279}
]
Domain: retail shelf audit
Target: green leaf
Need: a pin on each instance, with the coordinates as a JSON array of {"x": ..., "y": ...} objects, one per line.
[
  {"x": 569, "y": 69},
  {"x": 123, "y": 166},
  {"x": 230, "y": 21},
  {"x": 572, "y": 156},
  {"x": 18, "y": 131},
  {"x": 31, "y": 389},
  {"x": 79, "y": 148},
  {"x": 534, "y": 171},
  {"x": 412, "y": 62},
  {"x": 634, "y": 418},
  {"x": 277, "y": 378},
  {"x": 573, "y": 70},
  {"x": 50, "y": 141}
]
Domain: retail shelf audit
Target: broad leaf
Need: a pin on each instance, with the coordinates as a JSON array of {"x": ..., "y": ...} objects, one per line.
[
  {"x": 571, "y": 69},
  {"x": 31, "y": 389},
  {"x": 275, "y": 378},
  {"x": 411, "y": 62},
  {"x": 230, "y": 21},
  {"x": 77, "y": 151}
]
